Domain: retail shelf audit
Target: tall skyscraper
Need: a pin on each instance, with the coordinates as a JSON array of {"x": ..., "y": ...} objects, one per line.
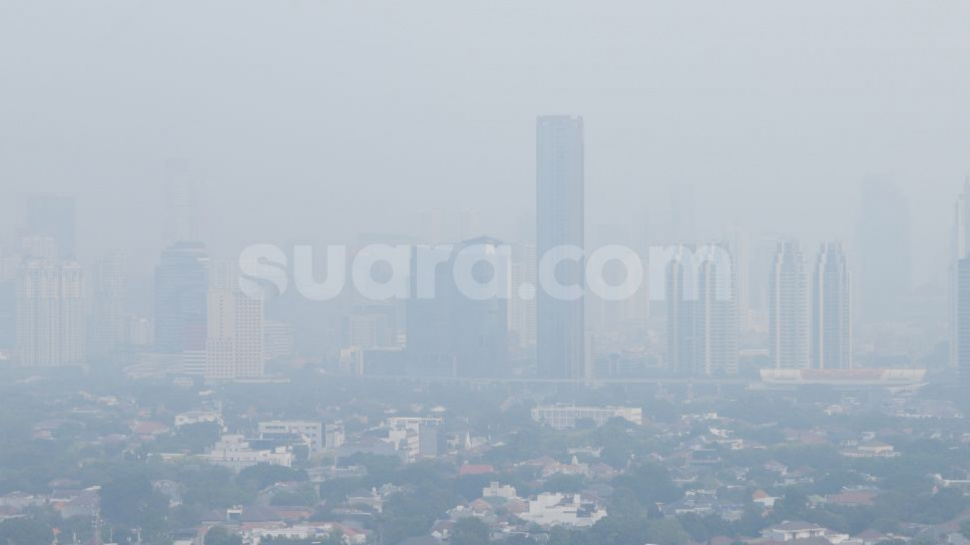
[
  {"x": 962, "y": 337},
  {"x": 789, "y": 310},
  {"x": 234, "y": 341},
  {"x": 740, "y": 265},
  {"x": 960, "y": 240},
  {"x": 832, "y": 310},
  {"x": 50, "y": 314},
  {"x": 109, "y": 318},
  {"x": 885, "y": 251},
  {"x": 453, "y": 333},
  {"x": 53, "y": 216},
  {"x": 702, "y": 315},
  {"x": 560, "y": 322},
  {"x": 9, "y": 265},
  {"x": 181, "y": 203},
  {"x": 682, "y": 229},
  {"x": 181, "y": 286}
]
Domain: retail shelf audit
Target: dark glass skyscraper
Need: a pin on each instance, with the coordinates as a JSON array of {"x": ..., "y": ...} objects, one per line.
[
  {"x": 181, "y": 288},
  {"x": 560, "y": 328}
]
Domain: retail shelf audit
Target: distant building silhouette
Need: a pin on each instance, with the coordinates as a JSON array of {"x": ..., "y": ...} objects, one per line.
[
  {"x": 702, "y": 315},
  {"x": 181, "y": 287},
  {"x": 885, "y": 251},
  {"x": 789, "y": 312},
  {"x": 960, "y": 249},
  {"x": 53, "y": 216},
  {"x": 832, "y": 310},
  {"x": 560, "y": 323},
  {"x": 109, "y": 319},
  {"x": 963, "y": 320},
  {"x": 50, "y": 314},
  {"x": 453, "y": 334},
  {"x": 234, "y": 340}
]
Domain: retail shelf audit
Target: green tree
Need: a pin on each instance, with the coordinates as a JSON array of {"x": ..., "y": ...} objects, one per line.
[
  {"x": 470, "y": 531},
  {"x": 221, "y": 536},
  {"x": 25, "y": 531},
  {"x": 129, "y": 500},
  {"x": 260, "y": 476}
]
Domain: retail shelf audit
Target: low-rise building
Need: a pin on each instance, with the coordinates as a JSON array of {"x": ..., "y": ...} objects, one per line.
[
  {"x": 235, "y": 453},
  {"x": 563, "y": 510},
  {"x": 309, "y": 431},
  {"x": 563, "y": 417}
]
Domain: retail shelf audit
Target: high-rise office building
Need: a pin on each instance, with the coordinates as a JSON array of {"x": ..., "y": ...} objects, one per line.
[
  {"x": 50, "y": 314},
  {"x": 831, "y": 310},
  {"x": 278, "y": 342},
  {"x": 789, "y": 309},
  {"x": 109, "y": 318},
  {"x": 52, "y": 216},
  {"x": 181, "y": 203},
  {"x": 455, "y": 333},
  {"x": 740, "y": 265},
  {"x": 960, "y": 249},
  {"x": 560, "y": 321},
  {"x": 522, "y": 303},
  {"x": 682, "y": 228},
  {"x": 702, "y": 314},
  {"x": 181, "y": 286},
  {"x": 368, "y": 330},
  {"x": 962, "y": 337},
  {"x": 885, "y": 251},
  {"x": 9, "y": 265},
  {"x": 234, "y": 341}
]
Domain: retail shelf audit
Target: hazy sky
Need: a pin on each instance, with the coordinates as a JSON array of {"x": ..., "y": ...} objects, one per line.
[{"x": 317, "y": 119}]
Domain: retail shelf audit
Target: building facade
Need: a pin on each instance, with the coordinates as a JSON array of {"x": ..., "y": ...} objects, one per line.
[
  {"x": 50, "y": 320},
  {"x": 560, "y": 202},
  {"x": 789, "y": 311},
  {"x": 832, "y": 310}
]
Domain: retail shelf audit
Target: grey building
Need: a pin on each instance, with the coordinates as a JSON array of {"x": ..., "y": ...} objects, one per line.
[
  {"x": 181, "y": 287},
  {"x": 885, "y": 251},
  {"x": 702, "y": 314},
  {"x": 560, "y": 324},
  {"x": 455, "y": 333},
  {"x": 832, "y": 310},
  {"x": 789, "y": 311}
]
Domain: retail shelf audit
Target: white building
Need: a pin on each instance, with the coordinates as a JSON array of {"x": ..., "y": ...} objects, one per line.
[
  {"x": 563, "y": 510},
  {"x": 832, "y": 310},
  {"x": 790, "y": 531},
  {"x": 189, "y": 418},
  {"x": 496, "y": 490},
  {"x": 563, "y": 417},
  {"x": 234, "y": 343},
  {"x": 416, "y": 437},
  {"x": 311, "y": 431},
  {"x": 50, "y": 314},
  {"x": 333, "y": 435},
  {"x": 235, "y": 453},
  {"x": 109, "y": 321},
  {"x": 789, "y": 309}
]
